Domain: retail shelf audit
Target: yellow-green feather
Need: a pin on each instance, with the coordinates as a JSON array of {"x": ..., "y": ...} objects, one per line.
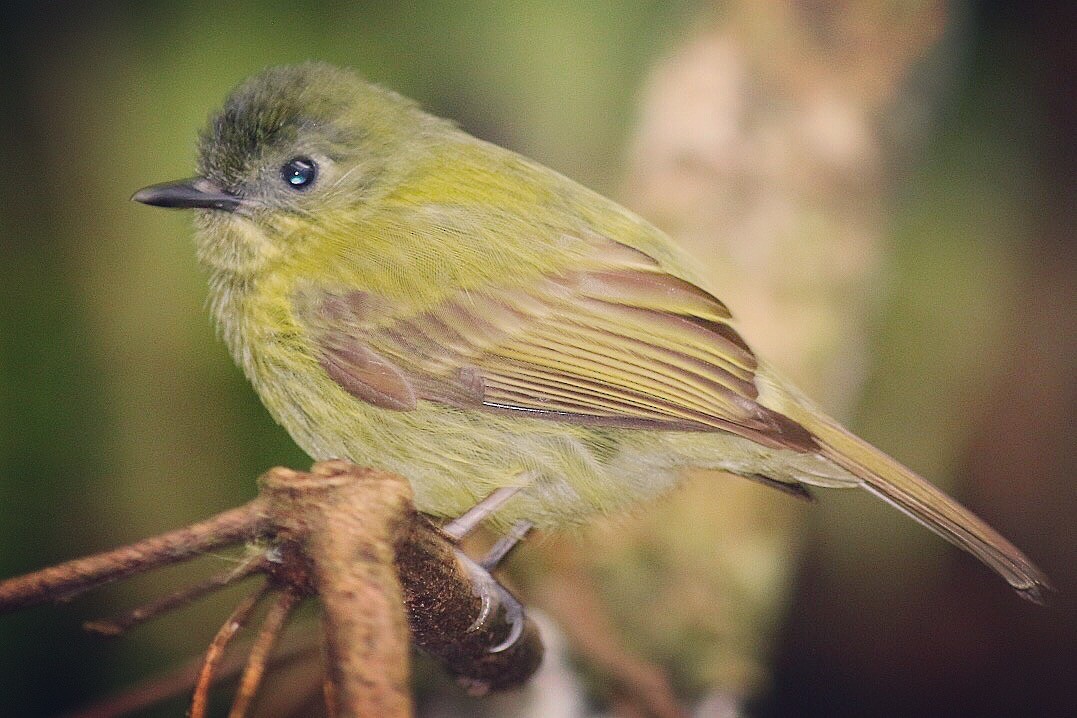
[{"x": 425, "y": 223}]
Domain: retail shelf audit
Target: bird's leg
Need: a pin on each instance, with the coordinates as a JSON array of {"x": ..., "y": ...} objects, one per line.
[
  {"x": 505, "y": 545},
  {"x": 514, "y": 610},
  {"x": 463, "y": 525},
  {"x": 492, "y": 594}
]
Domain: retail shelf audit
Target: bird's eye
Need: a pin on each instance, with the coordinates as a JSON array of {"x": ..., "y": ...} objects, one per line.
[{"x": 299, "y": 173}]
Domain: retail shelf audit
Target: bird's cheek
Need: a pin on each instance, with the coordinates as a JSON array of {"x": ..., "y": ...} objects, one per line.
[{"x": 235, "y": 244}]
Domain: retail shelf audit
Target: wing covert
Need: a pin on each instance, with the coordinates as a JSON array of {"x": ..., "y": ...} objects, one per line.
[{"x": 624, "y": 345}]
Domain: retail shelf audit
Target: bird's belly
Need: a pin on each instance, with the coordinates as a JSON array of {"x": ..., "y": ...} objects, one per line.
[{"x": 454, "y": 458}]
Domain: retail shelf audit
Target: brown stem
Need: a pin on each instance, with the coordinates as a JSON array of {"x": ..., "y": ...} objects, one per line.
[
  {"x": 263, "y": 645},
  {"x": 344, "y": 508},
  {"x": 215, "y": 652},
  {"x": 443, "y": 603},
  {"x": 177, "y": 599},
  {"x": 67, "y": 580},
  {"x": 329, "y": 695},
  {"x": 573, "y": 601},
  {"x": 352, "y": 537},
  {"x": 348, "y": 528}
]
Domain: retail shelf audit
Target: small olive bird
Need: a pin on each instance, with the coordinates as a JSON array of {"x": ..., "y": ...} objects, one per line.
[{"x": 408, "y": 297}]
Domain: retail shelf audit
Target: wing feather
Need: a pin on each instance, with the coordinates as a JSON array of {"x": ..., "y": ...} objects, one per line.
[{"x": 621, "y": 343}]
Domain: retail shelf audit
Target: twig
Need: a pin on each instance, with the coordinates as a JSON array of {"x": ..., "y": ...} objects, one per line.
[
  {"x": 263, "y": 645},
  {"x": 67, "y": 580},
  {"x": 641, "y": 683},
  {"x": 177, "y": 599},
  {"x": 215, "y": 652},
  {"x": 351, "y": 537}
]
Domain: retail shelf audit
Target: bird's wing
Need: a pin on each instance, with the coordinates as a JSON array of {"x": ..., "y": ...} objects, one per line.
[
  {"x": 616, "y": 342},
  {"x": 620, "y": 342}
]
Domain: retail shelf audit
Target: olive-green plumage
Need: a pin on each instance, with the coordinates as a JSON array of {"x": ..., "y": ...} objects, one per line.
[{"x": 406, "y": 296}]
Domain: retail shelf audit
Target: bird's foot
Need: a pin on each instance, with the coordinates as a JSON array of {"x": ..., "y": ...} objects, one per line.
[{"x": 494, "y": 597}]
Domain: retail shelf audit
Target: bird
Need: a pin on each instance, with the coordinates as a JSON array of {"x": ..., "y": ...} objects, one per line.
[{"x": 408, "y": 297}]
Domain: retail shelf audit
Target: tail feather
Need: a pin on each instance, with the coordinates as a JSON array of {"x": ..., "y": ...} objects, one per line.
[{"x": 908, "y": 492}]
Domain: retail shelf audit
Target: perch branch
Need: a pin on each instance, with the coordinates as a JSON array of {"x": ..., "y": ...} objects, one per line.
[
  {"x": 67, "y": 580},
  {"x": 352, "y": 538},
  {"x": 349, "y": 529}
]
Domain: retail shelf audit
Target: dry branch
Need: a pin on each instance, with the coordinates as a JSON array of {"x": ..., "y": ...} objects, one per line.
[
  {"x": 67, "y": 580},
  {"x": 352, "y": 538}
]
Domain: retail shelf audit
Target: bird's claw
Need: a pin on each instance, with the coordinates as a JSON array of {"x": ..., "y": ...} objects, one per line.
[
  {"x": 514, "y": 614},
  {"x": 494, "y": 596}
]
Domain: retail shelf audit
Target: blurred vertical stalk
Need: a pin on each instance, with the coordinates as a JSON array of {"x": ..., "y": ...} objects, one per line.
[{"x": 762, "y": 147}]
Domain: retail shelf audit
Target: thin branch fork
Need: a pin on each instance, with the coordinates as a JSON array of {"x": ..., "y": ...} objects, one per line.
[{"x": 352, "y": 538}]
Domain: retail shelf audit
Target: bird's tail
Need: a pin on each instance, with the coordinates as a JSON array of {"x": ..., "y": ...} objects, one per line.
[
  {"x": 908, "y": 492},
  {"x": 903, "y": 489}
]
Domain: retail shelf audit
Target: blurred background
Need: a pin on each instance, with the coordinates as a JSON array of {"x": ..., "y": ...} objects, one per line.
[{"x": 882, "y": 191}]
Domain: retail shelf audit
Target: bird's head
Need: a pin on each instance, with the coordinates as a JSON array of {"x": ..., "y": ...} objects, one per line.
[{"x": 294, "y": 149}]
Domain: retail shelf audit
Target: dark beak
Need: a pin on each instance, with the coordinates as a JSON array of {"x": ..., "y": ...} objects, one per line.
[{"x": 195, "y": 193}]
